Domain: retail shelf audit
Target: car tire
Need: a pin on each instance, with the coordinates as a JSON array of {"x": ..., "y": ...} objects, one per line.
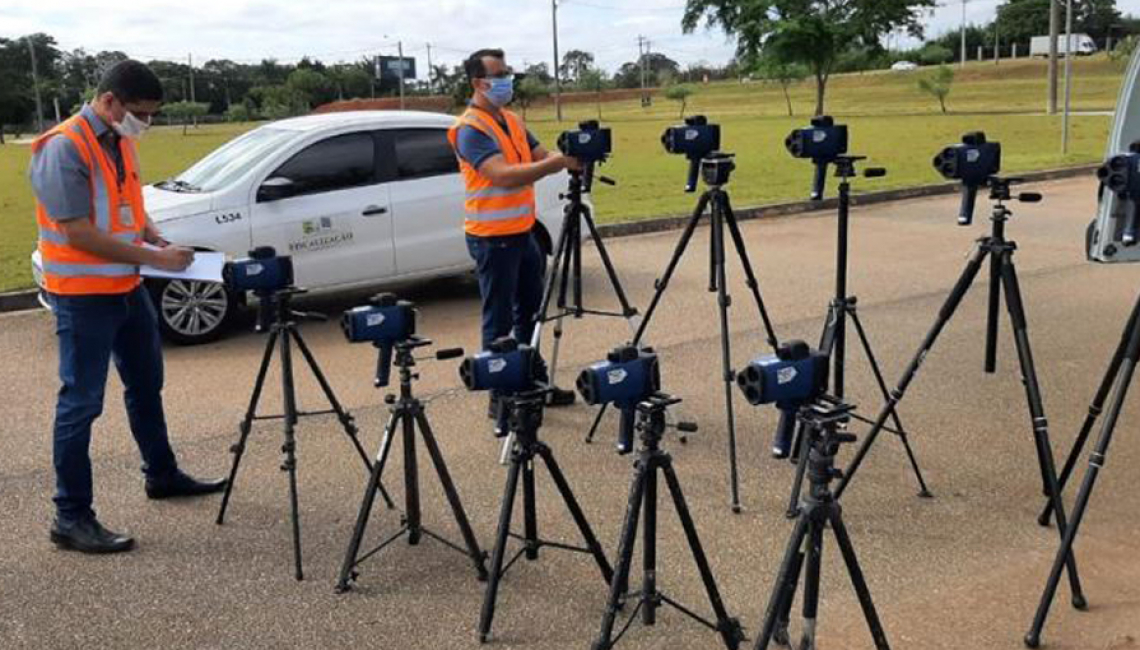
[{"x": 192, "y": 313}]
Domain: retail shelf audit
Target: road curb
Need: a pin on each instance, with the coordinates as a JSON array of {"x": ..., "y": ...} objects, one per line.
[
  {"x": 21, "y": 300},
  {"x": 628, "y": 228}
]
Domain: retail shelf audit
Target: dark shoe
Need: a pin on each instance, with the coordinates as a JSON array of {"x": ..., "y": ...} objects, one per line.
[
  {"x": 181, "y": 484},
  {"x": 89, "y": 536},
  {"x": 560, "y": 397}
]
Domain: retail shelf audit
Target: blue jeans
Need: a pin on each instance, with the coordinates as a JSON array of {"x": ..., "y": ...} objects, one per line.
[
  {"x": 93, "y": 330},
  {"x": 511, "y": 270}
]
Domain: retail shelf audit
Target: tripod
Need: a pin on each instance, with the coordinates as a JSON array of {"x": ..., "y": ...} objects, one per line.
[
  {"x": 833, "y": 342},
  {"x": 1117, "y": 379},
  {"x": 643, "y": 495},
  {"x": 1002, "y": 275},
  {"x": 565, "y": 275},
  {"x": 525, "y": 412},
  {"x": 407, "y": 415},
  {"x": 822, "y": 422},
  {"x": 716, "y": 167},
  {"x": 283, "y": 332}
]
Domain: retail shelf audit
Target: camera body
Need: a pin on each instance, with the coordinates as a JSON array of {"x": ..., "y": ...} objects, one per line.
[
  {"x": 792, "y": 376},
  {"x": 508, "y": 367},
  {"x": 695, "y": 139},
  {"x": 591, "y": 143},
  {"x": 627, "y": 377},
  {"x": 972, "y": 163},
  {"x": 822, "y": 142},
  {"x": 384, "y": 323},
  {"x": 1120, "y": 174},
  {"x": 263, "y": 272}
]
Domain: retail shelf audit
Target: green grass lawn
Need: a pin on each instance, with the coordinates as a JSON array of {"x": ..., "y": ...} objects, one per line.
[{"x": 890, "y": 121}]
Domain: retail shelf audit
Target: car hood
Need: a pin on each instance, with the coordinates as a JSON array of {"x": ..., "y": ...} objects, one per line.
[{"x": 166, "y": 205}]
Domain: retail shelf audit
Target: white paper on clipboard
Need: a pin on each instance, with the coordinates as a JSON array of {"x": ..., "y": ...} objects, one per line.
[{"x": 206, "y": 267}]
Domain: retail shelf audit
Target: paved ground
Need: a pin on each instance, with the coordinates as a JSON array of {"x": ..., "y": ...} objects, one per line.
[{"x": 961, "y": 571}]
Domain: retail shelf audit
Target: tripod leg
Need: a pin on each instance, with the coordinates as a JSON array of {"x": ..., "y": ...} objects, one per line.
[
  {"x": 247, "y": 422},
  {"x": 812, "y": 562},
  {"x": 1095, "y": 410},
  {"x": 626, "y": 309},
  {"x": 346, "y": 419},
  {"x": 801, "y": 469},
  {"x": 724, "y": 301},
  {"x": 504, "y": 531},
  {"x": 944, "y": 314},
  {"x": 289, "y": 399},
  {"x": 780, "y": 634},
  {"x": 875, "y": 370},
  {"x": 347, "y": 573},
  {"x": 1096, "y": 461},
  {"x": 530, "y": 514},
  {"x": 412, "y": 510},
  {"x": 649, "y": 546},
  {"x": 835, "y": 516},
  {"x": 452, "y": 495},
  {"x": 728, "y": 628},
  {"x": 992, "y": 313},
  {"x": 1037, "y": 412},
  {"x": 576, "y": 512},
  {"x": 551, "y": 280},
  {"x": 783, "y": 591},
  {"x": 749, "y": 274},
  {"x": 620, "y": 579}
]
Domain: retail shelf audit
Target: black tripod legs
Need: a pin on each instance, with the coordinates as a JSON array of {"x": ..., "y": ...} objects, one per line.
[
  {"x": 804, "y": 552},
  {"x": 1037, "y": 412},
  {"x": 643, "y": 502},
  {"x": 1123, "y": 381},
  {"x": 352, "y": 556},
  {"x": 1095, "y": 409},
  {"x": 238, "y": 450},
  {"x": 522, "y": 467}
]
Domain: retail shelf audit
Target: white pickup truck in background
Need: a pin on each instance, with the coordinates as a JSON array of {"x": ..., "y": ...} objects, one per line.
[{"x": 1079, "y": 44}]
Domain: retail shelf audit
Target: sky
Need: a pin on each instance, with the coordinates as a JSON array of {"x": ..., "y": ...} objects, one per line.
[{"x": 347, "y": 30}]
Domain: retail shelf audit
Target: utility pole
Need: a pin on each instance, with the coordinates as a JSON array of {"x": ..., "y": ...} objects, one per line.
[
  {"x": 1054, "y": 35},
  {"x": 997, "y": 38},
  {"x": 400, "y": 50},
  {"x": 642, "y": 55},
  {"x": 431, "y": 71},
  {"x": 193, "y": 97},
  {"x": 963, "y": 43},
  {"x": 1068, "y": 75},
  {"x": 557, "y": 76},
  {"x": 36, "y": 85}
]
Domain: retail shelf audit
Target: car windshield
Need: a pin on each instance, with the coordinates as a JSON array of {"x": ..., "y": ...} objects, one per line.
[{"x": 230, "y": 161}]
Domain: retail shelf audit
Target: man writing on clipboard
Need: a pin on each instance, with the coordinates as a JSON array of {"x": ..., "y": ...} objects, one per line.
[{"x": 92, "y": 227}]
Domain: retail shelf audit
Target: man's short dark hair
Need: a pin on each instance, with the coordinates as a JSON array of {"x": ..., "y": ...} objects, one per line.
[
  {"x": 474, "y": 63},
  {"x": 131, "y": 81}
]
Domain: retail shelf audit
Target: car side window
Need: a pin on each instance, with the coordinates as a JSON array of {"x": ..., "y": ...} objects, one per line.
[
  {"x": 423, "y": 152},
  {"x": 336, "y": 163}
]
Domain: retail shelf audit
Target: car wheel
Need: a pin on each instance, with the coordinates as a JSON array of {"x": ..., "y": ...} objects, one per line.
[{"x": 190, "y": 313}]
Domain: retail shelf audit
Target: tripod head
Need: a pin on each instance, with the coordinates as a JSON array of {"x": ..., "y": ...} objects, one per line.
[
  {"x": 405, "y": 359},
  {"x": 845, "y": 168},
  {"x": 1000, "y": 193},
  {"x": 524, "y": 412},
  {"x": 825, "y": 423},
  {"x": 276, "y": 307},
  {"x": 653, "y": 423}
]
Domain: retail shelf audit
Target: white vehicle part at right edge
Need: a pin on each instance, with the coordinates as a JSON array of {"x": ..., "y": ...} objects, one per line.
[{"x": 1104, "y": 242}]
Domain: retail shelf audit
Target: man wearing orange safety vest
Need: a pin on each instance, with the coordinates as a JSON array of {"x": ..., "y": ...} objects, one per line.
[
  {"x": 500, "y": 161},
  {"x": 92, "y": 227}
]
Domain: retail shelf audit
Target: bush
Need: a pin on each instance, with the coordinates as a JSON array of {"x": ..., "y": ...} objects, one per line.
[{"x": 238, "y": 113}]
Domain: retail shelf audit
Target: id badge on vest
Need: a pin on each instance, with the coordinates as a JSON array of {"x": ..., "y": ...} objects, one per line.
[{"x": 126, "y": 215}]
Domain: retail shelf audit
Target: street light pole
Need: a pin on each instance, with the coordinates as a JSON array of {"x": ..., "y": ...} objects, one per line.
[
  {"x": 1054, "y": 34},
  {"x": 36, "y": 86},
  {"x": 963, "y": 43},
  {"x": 400, "y": 50},
  {"x": 557, "y": 77},
  {"x": 1068, "y": 76}
]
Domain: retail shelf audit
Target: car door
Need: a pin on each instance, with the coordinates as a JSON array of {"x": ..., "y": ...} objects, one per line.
[
  {"x": 427, "y": 201},
  {"x": 335, "y": 217}
]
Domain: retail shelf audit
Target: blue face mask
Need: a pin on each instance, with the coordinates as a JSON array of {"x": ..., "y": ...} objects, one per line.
[{"x": 502, "y": 90}]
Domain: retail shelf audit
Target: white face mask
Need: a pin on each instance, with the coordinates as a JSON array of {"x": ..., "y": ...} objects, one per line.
[{"x": 131, "y": 126}]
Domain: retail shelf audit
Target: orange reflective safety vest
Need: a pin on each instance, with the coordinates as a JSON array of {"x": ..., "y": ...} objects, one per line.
[
  {"x": 115, "y": 209},
  {"x": 495, "y": 211}
]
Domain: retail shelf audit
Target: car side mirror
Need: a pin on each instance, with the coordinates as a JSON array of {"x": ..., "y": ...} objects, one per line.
[{"x": 275, "y": 189}]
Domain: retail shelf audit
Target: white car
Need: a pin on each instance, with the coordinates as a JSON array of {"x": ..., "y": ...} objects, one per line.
[
  {"x": 904, "y": 65},
  {"x": 357, "y": 199}
]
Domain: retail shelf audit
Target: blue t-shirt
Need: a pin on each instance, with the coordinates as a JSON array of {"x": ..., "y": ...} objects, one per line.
[{"x": 475, "y": 147}]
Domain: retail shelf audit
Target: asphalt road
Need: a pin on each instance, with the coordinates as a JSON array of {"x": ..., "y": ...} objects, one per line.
[{"x": 963, "y": 570}]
